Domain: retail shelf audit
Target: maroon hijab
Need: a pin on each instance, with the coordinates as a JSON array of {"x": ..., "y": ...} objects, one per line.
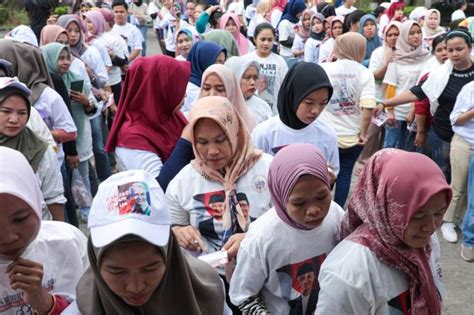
[
  {"x": 393, "y": 186},
  {"x": 146, "y": 118}
]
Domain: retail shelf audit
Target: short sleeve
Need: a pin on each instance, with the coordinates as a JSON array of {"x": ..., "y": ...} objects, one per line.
[
  {"x": 391, "y": 75},
  {"x": 367, "y": 95},
  {"x": 174, "y": 195}
]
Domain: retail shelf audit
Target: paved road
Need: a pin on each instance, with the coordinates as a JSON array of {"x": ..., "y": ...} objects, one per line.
[{"x": 458, "y": 275}]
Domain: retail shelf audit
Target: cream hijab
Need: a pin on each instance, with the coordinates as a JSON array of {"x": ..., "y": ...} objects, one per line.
[{"x": 233, "y": 92}]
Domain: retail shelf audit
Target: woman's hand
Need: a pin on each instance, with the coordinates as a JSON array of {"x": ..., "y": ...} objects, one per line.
[
  {"x": 188, "y": 237},
  {"x": 420, "y": 138},
  {"x": 390, "y": 118},
  {"x": 81, "y": 98},
  {"x": 233, "y": 244},
  {"x": 27, "y": 275},
  {"x": 73, "y": 161}
]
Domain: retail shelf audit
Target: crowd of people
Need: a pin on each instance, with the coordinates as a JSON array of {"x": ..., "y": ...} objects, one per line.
[{"x": 215, "y": 177}]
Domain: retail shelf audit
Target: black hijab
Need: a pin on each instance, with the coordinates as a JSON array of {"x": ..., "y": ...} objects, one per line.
[{"x": 300, "y": 80}]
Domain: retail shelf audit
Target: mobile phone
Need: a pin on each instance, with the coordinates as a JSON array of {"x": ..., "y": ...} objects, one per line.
[{"x": 77, "y": 85}]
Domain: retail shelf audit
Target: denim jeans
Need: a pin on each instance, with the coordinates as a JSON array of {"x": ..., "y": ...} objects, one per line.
[
  {"x": 143, "y": 29},
  {"x": 395, "y": 137},
  {"x": 440, "y": 151},
  {"x": 468, "y": 222},
  {"x": 347, "y": 159},
  {"x": 102, "y": 163}
]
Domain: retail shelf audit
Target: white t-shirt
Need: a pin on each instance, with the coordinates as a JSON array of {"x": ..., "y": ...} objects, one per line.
[
  {"x": 273, "y": 255},
  {"x": 275, "y": 17},
  {"x": 118, "y": 46},
  {"x": 325, "y": 51},
  {"x": 343, "y": 11},
  {"x": 272, "y": 72},
  {"x": 131, "y": 34},
  {"x": 132, "y": 159},
  {"x": 104, "y": 54},
  {"x": 259, "y": 108},
  {"x": 168, "y": 24},
  {"x": 192, "y": 94},
  {"x": 285, "y": 31},
  {"x": 464, "y": 103},
  {"x": 54, "y": 111},
  {"x": 311, "y": 50},
  {"x": 256, "y": 20},
  {"x": 298, "y": 45},
  {"x": 354, "y": 281},
  {"x": 39, "y": 127},
  {"x": 193, "y": 206},
  {"x": 50, "y": 179},
  {"x": 403, "y": 77},
  {"x": 352, "y": 83},
  {"x": 273, "y": 135},
  {"x": 376, "y": 62},
  {"x": 237, "y": 7},
  {"x": 62, "y": 249},
  {"x": 93, "y": 59}
]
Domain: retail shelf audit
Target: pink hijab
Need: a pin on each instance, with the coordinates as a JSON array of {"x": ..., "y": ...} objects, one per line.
[
  {"x": 391, "y": 189},
  {"x": 240, "y": 39},
  {"x": 288, "y": 165},
  {"x": 50, "y": 33}
]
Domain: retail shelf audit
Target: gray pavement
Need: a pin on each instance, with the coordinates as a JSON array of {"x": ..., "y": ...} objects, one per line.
[{"x": 458, "y": 275}]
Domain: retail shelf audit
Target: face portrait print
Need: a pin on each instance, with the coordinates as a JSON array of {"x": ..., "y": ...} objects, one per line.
[{"x": 134, "y": 198}]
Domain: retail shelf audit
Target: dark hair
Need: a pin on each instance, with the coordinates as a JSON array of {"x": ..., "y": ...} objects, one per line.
[
  {"x": 326, "y": 9},
  {"x": 461, "y": 33},
  {"x": 378, "y": 11},
  {"x": 263, "y": 26},
  {"x": 436, "y": 41},
  {"x": 216, "y": 198},
  {"x": 117, "y": 3},
  {"x": 215, "y": 18},
  {"x": 303, "y": 269},
  {"x": 242, "y": 197},
  {"x": 351, "y": 19},
  {"x": 459, "y": 5}
]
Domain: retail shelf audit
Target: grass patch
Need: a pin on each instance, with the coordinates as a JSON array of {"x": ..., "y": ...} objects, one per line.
[{"x": 10, "y": 18}]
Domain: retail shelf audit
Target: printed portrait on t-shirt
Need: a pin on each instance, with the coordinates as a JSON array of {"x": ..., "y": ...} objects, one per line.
[
  {"x": 299, "y": 285},
  {"x": 266, "y": 88},
  {"x": 134, "y": 198},
  {"x": 210, "y": 206},
  {"x": 400, "y": 305}
]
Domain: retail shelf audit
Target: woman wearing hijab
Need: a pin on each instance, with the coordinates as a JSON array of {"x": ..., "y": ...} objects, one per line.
[
  {"x": 227, "y": 182},
  {"x": 409, "y": 59},
  {"x": 185, "y": 39},
  {"x": 326, "y": 9},
  {"x": 276, "y": 12},
  {"x": 316, "y": 37},
  {"x": 431, "y": 26},
  {"x": 40, "y": 261},
  {"x": 302, "y": 32},
  {"x": 335, "y": 29},
  {"x": 247, "y": 74},
  {"x": 351, "y": 106},
  {"x": 202, "y": 55},
  {"x": 225, "y": 39},
  {"x": 368, "y": 29},
  {"x": 304, "y": 216},
  {"x": 136, "y": 264},
  {"x": 291, "y": 15},
  {"x": 148, "y": 122},
  {"x": 231, "y": 23},
  {"x": 303, "y": 95},
  {"x": 393, "y": 13},
  {"x": 389, "y": 260},
  {"x": 218, "y": 80}
]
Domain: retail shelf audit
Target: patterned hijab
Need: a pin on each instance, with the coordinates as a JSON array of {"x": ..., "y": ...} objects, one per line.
[
  {"x": 288, "y": 165},
  {"x": 244, "y": 155},
  {"x": 391, "y": 189}
]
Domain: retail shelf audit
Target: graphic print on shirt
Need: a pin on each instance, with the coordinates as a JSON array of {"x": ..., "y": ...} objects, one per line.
[
  {"x": 266, "y": 84},
  {"x": 343, "y": 102},
  {"x": 131, "y": 198},
  {"x": 299, "y": 285},
  {"x": 400, "y": 305}
]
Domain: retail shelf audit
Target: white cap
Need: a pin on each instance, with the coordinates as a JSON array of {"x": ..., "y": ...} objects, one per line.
[{"x": 130, "y": 202}]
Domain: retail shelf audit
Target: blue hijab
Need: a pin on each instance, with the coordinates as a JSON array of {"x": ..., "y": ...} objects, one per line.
[
  {"x": 292, "y": 8},
  {"x": 202, "y": 55},
  {"x": 373, "y": 43}
]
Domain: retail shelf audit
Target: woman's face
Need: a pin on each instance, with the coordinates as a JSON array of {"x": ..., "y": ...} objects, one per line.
[
  {"x": 264, "y": 42},
  {"x": 415, "y": 36},
  {"x": 248, "y": 84},
  {"x": 212, "y": 144},
  {"x": 441, "y": 52},
  {"x": 306, "y": 21},
  {"x": 63, "y": 39},
  {"x": 312, "y": 105},
  {"x": 230, "y": 26},
  {"x": 183, "y": 44},
  {"x": 64, "y": 61},
  {"x": 336, "y": 29},
  {"x": 398, "y": 14},
  {"x": 318, "y": 27},
  {"x": 133, "y": 271},
  {"x": 369, "y": 29},
  {"x": 425, "y": 221},
  {"x": 220, "y": 59},
  {"x": 433, "y": 20},
  {"x": 197, "y": 12},
  {"x": 391, "y": 36},
  {"x": 458, "y": 52},
  {"x": 74, "y": 32},
  {"x": 18, "y": 226},
  {"x": 309, "y": 201},
  {"x": 213, "y": 86},
  {"x": 90, "y": 26},
  {"x": 13, "y": 115}
]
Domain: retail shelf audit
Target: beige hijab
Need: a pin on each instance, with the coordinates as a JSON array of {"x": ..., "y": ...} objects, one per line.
[
  {"x": 233, "y": 92},
  {"x": 244, "y": 155},
  {"x": 350, "y": 46}
]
